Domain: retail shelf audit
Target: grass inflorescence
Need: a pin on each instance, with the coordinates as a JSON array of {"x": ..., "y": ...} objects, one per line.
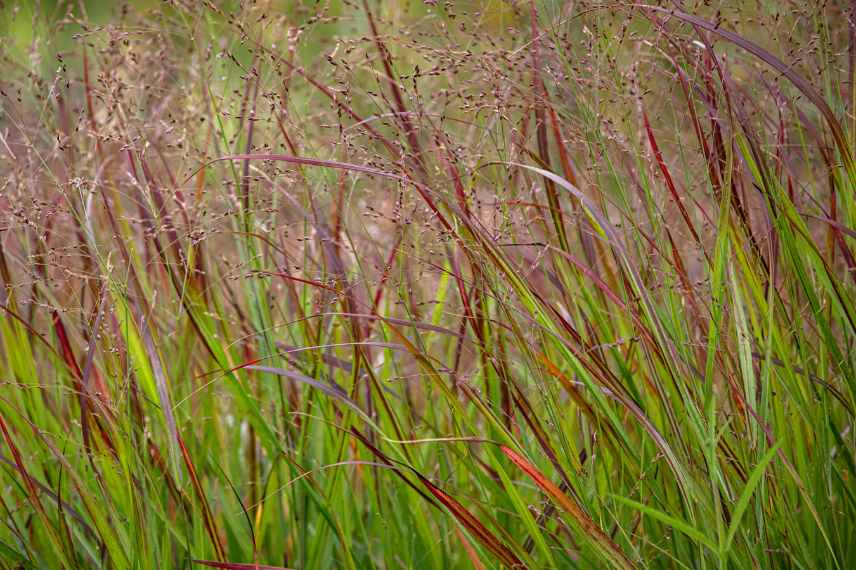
[{"x": 492, "y": 284}]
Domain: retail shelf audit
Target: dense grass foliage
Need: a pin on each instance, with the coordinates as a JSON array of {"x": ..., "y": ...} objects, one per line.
[{"x": 484, "y": 284}]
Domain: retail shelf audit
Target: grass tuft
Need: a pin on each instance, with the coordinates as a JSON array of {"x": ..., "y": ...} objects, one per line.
[{"x": 491, "y": 284}]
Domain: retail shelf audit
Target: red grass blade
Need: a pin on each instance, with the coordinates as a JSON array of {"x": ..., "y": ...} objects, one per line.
[
  {"x": 540, "y": 103},
  {"x": 605, "y": 544},
  {"x": 207, "y": 516},
  {"x": 466, "y": 518},
  {"x": 670, "y": 184}
]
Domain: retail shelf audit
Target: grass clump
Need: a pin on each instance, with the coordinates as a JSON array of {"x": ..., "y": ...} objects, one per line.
[{"x": 427, "y": 285}]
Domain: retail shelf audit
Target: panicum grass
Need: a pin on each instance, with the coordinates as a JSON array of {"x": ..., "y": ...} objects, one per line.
[{"x": 427, "y": 285}]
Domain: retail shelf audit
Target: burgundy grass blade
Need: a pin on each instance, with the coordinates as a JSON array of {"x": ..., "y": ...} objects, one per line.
[
  {"x": 608, "y": 548},
  {"x": 670, "y": 184}
]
